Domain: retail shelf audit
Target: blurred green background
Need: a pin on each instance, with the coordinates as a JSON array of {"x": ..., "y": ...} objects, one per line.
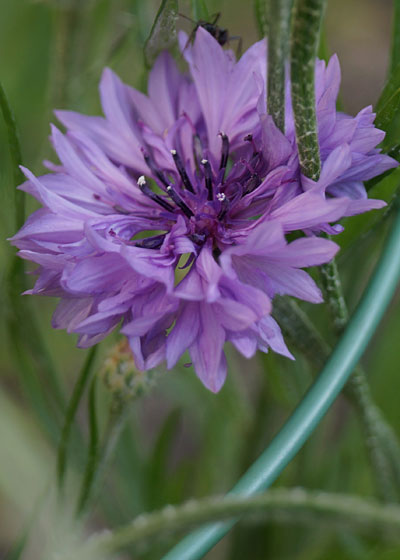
[{"x": 180, "y": 441}]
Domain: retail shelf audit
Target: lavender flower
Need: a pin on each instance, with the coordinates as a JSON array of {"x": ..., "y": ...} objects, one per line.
[{"x": 168, "y": 216}]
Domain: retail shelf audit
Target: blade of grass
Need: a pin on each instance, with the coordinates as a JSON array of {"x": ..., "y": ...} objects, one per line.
[
  {"x": 70, "y": 414},
  {"x": 16, "y": 157},
  {"x": 93, "y": 449}
]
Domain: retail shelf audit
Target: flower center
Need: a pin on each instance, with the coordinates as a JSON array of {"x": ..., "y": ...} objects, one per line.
[{"x": 204, "y": 197}]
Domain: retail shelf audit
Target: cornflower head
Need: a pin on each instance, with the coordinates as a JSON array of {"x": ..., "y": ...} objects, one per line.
[{"x": 167, "y": 216}]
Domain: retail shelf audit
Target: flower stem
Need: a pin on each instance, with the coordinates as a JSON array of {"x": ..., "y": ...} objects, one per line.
[
  {"x": 71, "y": 413},
  {"x": 382, "y": 444},
  {"x": 381, "y": 440},
  {"x": 261, "y": 12},
  {"x": 306, "y": 23},
  {"x": 294, "y": 505},
  {"x": 278, "y": 43}
]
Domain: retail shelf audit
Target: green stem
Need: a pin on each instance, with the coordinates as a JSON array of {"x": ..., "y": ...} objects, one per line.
[
  {"x": 383, "y": 456},
  {"x": 71, "y": 413},
  {"x": 278, "y": 43},
  {"x": 303, "y": 335},
  {"x": 307, "y": 18},
  {"x": 294, "y": 505},
  {"x": 261, "y": 12}
]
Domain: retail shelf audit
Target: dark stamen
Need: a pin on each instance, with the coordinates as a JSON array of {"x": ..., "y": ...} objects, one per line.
[
  {"x": 179, "y": 202},
  {"x": 216, "y": 253},
  {"x": 221, "y": 197},
  {"x": 143, "y": 186},
  {"x": 151, "y": 242},
  {"x": 152, "y": 166},
  {"x": 197, "y": 237},
  {"x": 252, "y": 184},
  {"x": 224, "y": 151},
  {"x": 182, "y": 171},
  {"x": 208, "y": 177},
  {"x": 249, "y": 138}
]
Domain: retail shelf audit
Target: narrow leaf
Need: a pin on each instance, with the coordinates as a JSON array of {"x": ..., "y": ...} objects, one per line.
[
  {"x": 15, "y": 151},
  {"x": 163, "y": 33},
  {"x": 200, "y": 11},
  {"x": 158, "y": 462},
  {"x": 71, "y": 413},
  {"x": 388, "y": 110},
  {"x": 387, "y": 104},
  {"x": 93, "y": 450}
]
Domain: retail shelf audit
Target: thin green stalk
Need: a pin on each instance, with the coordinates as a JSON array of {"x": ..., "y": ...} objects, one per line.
[
  {"x": 261, "y": 12},
  {"x": 278, "y": 46},
  {"x": 71, "y": 413},
  {"x": 99, "y": 455},
  {"x": 295, "y": 505},
  {"x": 306, "y": 24},
  {"x": 303, "y": 335},
  {"x": 384, "y": 456}
]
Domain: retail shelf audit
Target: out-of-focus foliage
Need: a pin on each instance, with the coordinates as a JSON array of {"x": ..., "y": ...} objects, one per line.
[{"x": 179, "y": 441}]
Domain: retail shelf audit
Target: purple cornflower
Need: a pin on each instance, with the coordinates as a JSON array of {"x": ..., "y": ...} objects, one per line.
[{"x": 168, "y": 216}]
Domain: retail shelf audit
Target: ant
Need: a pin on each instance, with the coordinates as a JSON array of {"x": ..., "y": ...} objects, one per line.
[{"x": 220, "y": 34}]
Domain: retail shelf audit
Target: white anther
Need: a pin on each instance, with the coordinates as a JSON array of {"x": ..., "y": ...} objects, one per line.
[
  {"x": 173, "y": 152},
  {"x": 221, "y": 196},
  {"x": 141, "y": 181},
  {"x": 169, "y": 188},
  {"x": 204, "y": 161}
]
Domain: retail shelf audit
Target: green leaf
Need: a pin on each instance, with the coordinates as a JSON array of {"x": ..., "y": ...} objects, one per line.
[
  {"x": 387, "y": 107},
  {"x": 306, "y": 24},
  {"x": 163, "y": 33},
  {"x": 200, "y": 11},
  {"x": 93, "y": 450},
  {"x": 71, "y": 413},
  {"x": 387, "y": 110},
  {"x": 15, "y": 152}
]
